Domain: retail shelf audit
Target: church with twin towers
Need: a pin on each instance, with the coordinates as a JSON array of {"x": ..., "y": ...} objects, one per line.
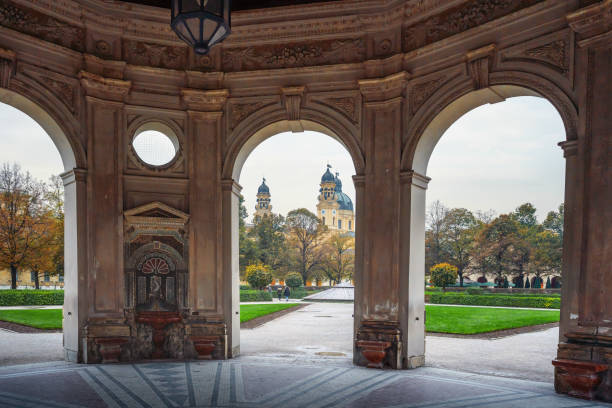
[{"x": 334, "y": 208}]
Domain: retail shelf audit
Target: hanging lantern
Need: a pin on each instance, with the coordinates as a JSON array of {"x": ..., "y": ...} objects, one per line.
[{"x": 201, "y": 23}]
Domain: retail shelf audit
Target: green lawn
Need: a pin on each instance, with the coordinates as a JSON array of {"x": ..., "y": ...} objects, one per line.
[
  {"x": 50, "y": 319},
  {"x": 441, "y": 319},
  {"x": 250, "y": 312},
  {"x": 473, "y": 320}
]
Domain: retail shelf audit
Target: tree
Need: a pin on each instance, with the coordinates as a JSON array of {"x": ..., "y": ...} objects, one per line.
[
  {"x": 339, "y": 258},
  {"x": 249, "y": 253},
  {"x": 24, "y": 218},
  {"x": 494, "y": 246},
  {"x": 546, "y": 254},
  {"x": 554, "y": 221},
  {"x": 269, "y": 236},
  {"x": 258, "y": 275},
  {"x": 433, "y": 234},
  {"x": 525, "y": 215},
  {"x": 305, "y": 233},
  {"x": 443, "y": 274},
  {"x": 293, "y": 280},
  {"x": 459, "y": 227}
]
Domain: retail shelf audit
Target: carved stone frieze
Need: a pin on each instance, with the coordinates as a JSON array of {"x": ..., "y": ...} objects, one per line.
[
  {"x": 458, "y": 19},
  {"x": 593, "y": 24},
  {"x": 293, "y": 55},
  {"x": 104, "y": 88},
  {"x": 7, "y": 67},
  {"x": 346, "y": 105},
  {"x": 205, "y": 101},
  {"x": 240, "y": 109},
  {"x": 154, "y": 55},
  {"x": 554, "y": 51},
  {"x": 420, "y": 92},
  {"x": 63, "y": 87},
  {"x": 39, "y": 25}
]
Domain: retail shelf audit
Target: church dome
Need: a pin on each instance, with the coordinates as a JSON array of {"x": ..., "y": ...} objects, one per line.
[
  {"x": 263, "y": 189},
  {"x": 338, "y": 188},
  {"x": 344, "y": 202},
  {"x": 328, "y": 177}
]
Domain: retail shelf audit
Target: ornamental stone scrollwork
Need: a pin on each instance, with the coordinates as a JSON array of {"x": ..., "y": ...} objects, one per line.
[
  {"x": 295, "y": 55},
  {"x": 42, "y": 26},
  {"x": 64, "y": 88},
  {"x": 7, "y": 67},
  {"x": 420, "y": 92},
  {"x": 553, "y": 51},
  {"x": 459, "y": 18},
  {"x": 155, "y": 55},
  {"x": 240, "y": 109},
  {"x": 479, "y": 63}
]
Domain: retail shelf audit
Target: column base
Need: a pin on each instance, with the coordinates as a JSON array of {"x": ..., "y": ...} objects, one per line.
[
  {"x": 583, "y": 368},
  {"x": 414, "y": 362},
  {"x": 378, "y": 344}
]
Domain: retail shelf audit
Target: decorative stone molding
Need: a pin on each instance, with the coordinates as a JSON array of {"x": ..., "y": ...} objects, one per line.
[
  {"x": 554, "y": 51},
  {"x": 479, "y": 64},
  {"x": 205, "y": 101},
  {"x": 373, "y": 351},
  {"x": 292, "y": 100},
  {"x": 74, "y": 176},
  {"x": 376, "y": 90},
  {"x": 579, "y": 379},
  {"x": 110, "y": 348},
  {"x": 231, "y": 185},
  {"x": 593, "y": 24},
  {"x": 104, "y": 88},
  {"x": 414, "y": 178},
  {"x": 7, "y": 67},
  {"x": 570, "y": 148}
]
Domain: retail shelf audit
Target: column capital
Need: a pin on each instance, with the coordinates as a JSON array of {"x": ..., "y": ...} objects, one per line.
[
  {"x": 570, "y": 148},
  {"x": 74, "y": 176},
  {"x": 382, "y": 89},
  {"x": 104, "y": 88},
  {"x": 204, "y": 101},
  {"x": 593, "y": 24},
  {"x": 359, "y": 181},
  {"x": 231, "y": 185},
  {"x": 414, "y": 178}
]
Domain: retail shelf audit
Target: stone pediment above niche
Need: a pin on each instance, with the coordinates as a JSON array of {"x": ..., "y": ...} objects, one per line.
[{"x": 155, "y": 214}]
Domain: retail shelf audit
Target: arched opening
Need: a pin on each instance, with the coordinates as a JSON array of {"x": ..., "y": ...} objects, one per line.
[
  {"x": 522, "y": 246},
  {"x": 73, "y": 183},
  {"x": 294, "y": 188}
]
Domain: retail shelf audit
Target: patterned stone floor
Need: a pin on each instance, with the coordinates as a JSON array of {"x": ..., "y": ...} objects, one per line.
[{"x": 245, "y": 383}]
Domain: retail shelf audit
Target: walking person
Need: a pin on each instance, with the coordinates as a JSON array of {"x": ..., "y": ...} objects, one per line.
[
  {"x": 287, "y": 293},
  {"x": 279, "y": 292}
]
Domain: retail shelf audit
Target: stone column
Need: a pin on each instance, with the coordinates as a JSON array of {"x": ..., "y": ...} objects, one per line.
[
  {"x": 75, "y": 262},
  {"x": 104, "y": 127},
  {"x": 412, "y": 266},
  {"x": 231, "y": 267},
  {"x": 207, "y": 284},
  {"x": 583, "y": 367},
  {"x": 379, "y": 337}
]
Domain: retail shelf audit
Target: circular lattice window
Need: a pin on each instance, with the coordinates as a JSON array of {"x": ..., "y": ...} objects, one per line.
[
  {"x": 156, "y": 145},
  {"x": 155, "y": 266}
]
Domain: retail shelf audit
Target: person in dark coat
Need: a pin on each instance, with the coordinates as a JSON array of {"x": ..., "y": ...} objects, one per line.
[
  {"x": 279, "y": 292},
  {"x": 287, "y": 293}
]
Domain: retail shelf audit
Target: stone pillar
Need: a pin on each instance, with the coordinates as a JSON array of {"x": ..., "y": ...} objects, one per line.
[
  {"x": 359, "y": 181},
  {"x": 231, "y": 265},
  {"x": 379, "y": 337},
  {"x": 75, "y": 262},
  {"x": 207, "y": 284},
  {"x": 412, "y": 270},
  {"x": 583, "y": 367},
  {"x": 104, "y": 128}
]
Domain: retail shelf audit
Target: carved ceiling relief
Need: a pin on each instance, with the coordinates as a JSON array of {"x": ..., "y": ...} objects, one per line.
[
  {"x": 154, "y": 55},
  {"x": 458, "y": 19},
  {"x": 41, "y": 26},
  {"x": 64, "y": 88},
  {"x": 295, "y": 55}
]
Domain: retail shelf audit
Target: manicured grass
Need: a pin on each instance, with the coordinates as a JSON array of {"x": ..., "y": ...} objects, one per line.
[
  {"x": 473, "y": 320},
  {"x": 250, "y": 312},
  {"x": 50, "y": 319}
]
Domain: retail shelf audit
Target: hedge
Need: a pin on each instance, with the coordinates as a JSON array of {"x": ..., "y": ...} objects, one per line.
[
  {"x": 255, "y": 296},
  {"x": 25, "y": 297},
  {"x": 495, "y": 300}
]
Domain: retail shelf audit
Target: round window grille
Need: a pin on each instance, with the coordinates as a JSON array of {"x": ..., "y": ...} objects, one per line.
[
  {"x": 155, "y": 266},
  {"x": 155, "y": 148}
]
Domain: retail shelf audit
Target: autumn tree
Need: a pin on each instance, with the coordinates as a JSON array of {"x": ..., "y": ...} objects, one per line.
[
  {"x": 494, "y": 246},
  {"x": 433, "y": 235},
  {"x": 269, "y": 236},
  {"x": 248, "y": 251},
  {"x": 25, "y": 227},
  {"x": 458, "y": 230},
  {"x": 339, "y": 258},
  {"x": 305, "y": 237},
  {"x": 443, "y": 275}
]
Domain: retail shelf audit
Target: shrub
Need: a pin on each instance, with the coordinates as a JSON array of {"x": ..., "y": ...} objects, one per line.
[
  {"x": 443, "y": 274},
  {"x": 24, "y": 297},
  {"x": 474, "y": 291},
  {"x": 255, "y": 296},
  {"x": 495, "y": 300},
  {"x": 293, "y": 280},
  {"x": 258, "y": 275}
]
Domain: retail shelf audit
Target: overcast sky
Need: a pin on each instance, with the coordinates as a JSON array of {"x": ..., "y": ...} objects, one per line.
[{"x": 495, "y": 157}]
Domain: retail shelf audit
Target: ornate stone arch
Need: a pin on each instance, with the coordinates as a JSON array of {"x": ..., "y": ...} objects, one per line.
[
  {"x": 273, "y": 120},
  {"x": 459, "y": 96},
  {"x": 58, "y": 122}
]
